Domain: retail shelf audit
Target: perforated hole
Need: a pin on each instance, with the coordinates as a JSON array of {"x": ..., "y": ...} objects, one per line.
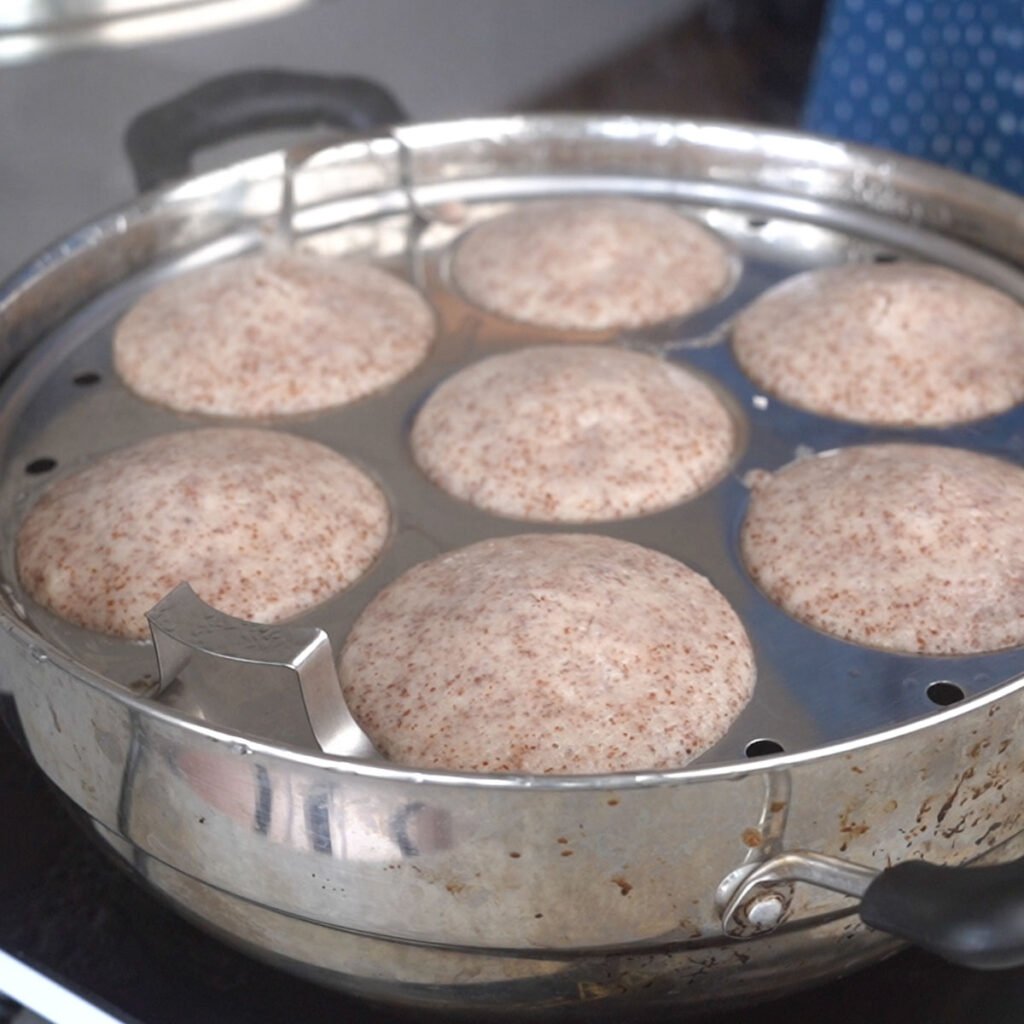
[
  {"x": 38, "y": 466},
  {"x": 764, "y": 747},
  {"x": 757, "y": 222},
  {"x": 885, "y": 257},
  {"x": 944, "y": 693},
  {"x": 86, "y": 378}
]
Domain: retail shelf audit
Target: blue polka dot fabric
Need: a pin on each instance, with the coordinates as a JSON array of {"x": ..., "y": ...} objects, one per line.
[{"x": 938, "y": 80}]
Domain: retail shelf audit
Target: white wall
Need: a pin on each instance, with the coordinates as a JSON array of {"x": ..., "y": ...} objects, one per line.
[{"x": 61, "y": 119}]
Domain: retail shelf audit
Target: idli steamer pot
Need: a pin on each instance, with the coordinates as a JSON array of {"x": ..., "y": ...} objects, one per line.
[{"x": 882, "y": 783}]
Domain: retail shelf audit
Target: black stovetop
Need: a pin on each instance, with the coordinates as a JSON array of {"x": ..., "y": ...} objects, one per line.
[{"x": 69, "y": 912}]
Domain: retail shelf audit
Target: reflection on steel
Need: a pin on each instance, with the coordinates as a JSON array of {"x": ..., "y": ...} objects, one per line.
[{"x": 30, "y": 29}]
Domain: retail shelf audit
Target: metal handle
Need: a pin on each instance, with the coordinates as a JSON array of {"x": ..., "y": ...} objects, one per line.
[
  {"x": 160, "y": 142},
  {"x": 972, "y": 916},
  {"x": 182, "y": 625}
]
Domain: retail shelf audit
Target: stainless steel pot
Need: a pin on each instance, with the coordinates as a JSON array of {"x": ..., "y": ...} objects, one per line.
[{"x": 705, "y": 886}]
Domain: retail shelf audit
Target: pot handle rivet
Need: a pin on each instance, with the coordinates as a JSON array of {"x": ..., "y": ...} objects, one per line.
[
  {"x": 760, "y": 901},
  {"x": 972, "y": 916}
]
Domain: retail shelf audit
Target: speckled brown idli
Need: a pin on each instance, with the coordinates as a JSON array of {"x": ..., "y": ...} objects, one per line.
[
  {"x": 263, "y": 525},
  {"x": 272, "y": 334},
  {"x": 897, "y": 344},
  {"x": 591, "y": 264},
  {"x": 575, "y": 434},
  {"x": 911, "y": 548},
  {"x": 554, "y": 653}
]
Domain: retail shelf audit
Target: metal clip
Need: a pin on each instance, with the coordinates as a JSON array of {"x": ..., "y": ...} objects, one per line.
[
  {"x": 757, "y": 904},
  {"x": 182, "y": 626},
  {"x": 766, "y": 910}
]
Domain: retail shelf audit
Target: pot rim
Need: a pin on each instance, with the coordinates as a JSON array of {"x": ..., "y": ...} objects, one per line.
[
  {"x": 39, "y": 648},
  {"x": 779, "y": 144}
]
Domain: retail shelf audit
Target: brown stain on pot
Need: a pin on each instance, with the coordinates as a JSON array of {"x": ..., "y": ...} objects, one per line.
[
  {"x": 850, "y": 829},
  {"x": 948, "y": 803},
  {"x": 752, "y": 837},
  {"x": 625, "y": 887}
]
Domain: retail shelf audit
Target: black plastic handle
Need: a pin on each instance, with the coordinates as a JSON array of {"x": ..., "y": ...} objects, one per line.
[
  {"x": 969, "y": 916},
  {"x": 160, "y": 142}
]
